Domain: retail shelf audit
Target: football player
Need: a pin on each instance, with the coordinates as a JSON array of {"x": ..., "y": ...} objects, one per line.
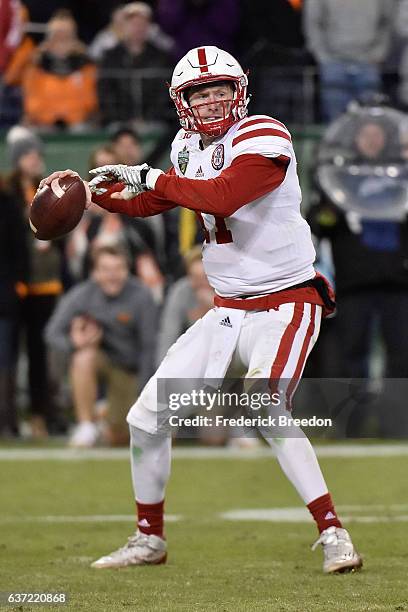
[{"x": 238, "y": 173}]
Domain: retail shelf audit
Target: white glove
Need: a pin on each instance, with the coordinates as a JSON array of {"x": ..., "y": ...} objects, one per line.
[
  {"x": 98, "y": 186},
  {"x": 136, "y": 178},
  {"x": 95, "y": 185}
]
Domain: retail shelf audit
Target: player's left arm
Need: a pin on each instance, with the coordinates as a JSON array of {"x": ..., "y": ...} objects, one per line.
[
  {"x": 145, "y": 204},
  {"x": 248, "y": 178}
]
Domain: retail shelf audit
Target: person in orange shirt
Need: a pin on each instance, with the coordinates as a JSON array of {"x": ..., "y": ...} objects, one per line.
[{"x": 59, "y": 86}]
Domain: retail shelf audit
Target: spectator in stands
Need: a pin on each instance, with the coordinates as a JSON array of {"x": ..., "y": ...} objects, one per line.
[
  {"x": 39, "y": 295},
  {"x": 150, "y": 253},
  {"x": 363, "y": 213},
  {"x": 21, "y": 56},
  {"x": 349, "y": 41},
  {"x": 104, "y": 154},
  {"x": 127, "y": 146},
  {"x": 124, "y": 92},
  {"x": 273, "y": 45},
  {"x": 60, "y": 84},
  {"x": 107, "y": 326},
  {"x": 10, "y": 31},
  {"x": 109, "y": 37},
  {"x": 13, "y": 272},
  {"x": 112, "y": 34},
  {"x": 11, "y": 35},
  {"x": 401, "y": 38},
  {"x": 192, "y": 23},
  {"x": 95, "y": 227},
  {"x": 188, "y": 300}
]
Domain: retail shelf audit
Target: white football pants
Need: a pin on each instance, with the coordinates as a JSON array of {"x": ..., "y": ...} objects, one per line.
[{"x": 271, "y": 344}]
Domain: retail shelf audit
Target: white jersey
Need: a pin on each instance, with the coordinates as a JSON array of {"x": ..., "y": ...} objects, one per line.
[{"x": 266, "y": 245}]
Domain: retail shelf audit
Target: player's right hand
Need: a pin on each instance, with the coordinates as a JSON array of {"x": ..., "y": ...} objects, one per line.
[
  {"x": 58, "y": 174},
  {"x": 62, "y": 174}
]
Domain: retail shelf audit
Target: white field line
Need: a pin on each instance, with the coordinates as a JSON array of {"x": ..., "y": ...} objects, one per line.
[
  {"x": 301, "y": 515},
  {"x": 87, "y": 518},
  {"x": 271, "y": 515},
  {"x": 384, "y": 508},
  {"x": 197, "y": 452}
]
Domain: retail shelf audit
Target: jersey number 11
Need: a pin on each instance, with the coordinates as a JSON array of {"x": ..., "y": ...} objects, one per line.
[{"x": 222, "y": 234}]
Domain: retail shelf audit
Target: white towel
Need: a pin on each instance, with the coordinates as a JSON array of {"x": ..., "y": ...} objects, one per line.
[{"x": 225, "y": 334}]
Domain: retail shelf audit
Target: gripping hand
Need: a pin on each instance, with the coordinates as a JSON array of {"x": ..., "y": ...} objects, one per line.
[{"x": 137, "y": 179}]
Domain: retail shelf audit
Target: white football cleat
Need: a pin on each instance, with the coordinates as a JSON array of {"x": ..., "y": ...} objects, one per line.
[
  {"x": 140, "y": 549},
  {"x": 85, "y": 435},
  {"x": 339, "y": 553}
]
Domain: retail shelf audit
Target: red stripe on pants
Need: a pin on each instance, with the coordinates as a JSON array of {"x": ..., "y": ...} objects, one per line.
[
  {"x": 302, "y": 357},
  {"x": 285, "y": 346}
]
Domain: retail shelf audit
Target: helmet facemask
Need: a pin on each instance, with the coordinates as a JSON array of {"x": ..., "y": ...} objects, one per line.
[{"x": 194, "y": 114}]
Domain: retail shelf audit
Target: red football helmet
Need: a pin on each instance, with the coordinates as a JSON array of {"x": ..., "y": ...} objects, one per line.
[{"x": 199, "y": 67}]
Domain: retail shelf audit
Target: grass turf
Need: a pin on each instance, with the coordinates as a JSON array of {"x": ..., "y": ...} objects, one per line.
[{"x": 214, "y": 564}]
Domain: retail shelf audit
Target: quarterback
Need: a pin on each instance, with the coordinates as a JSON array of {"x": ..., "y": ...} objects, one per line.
[{"x": 238, "y": 173}]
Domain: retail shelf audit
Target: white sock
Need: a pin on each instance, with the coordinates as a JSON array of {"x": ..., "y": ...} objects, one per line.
[
  {"x": 150, "y": 457},
  {"x": 299, "y": 463}
]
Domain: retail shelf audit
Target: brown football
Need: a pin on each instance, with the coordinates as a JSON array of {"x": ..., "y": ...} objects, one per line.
[{"x": 57, "y": 208}]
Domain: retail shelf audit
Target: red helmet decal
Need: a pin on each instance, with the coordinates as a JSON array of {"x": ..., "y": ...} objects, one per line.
[{"x": 202, "y": 59}]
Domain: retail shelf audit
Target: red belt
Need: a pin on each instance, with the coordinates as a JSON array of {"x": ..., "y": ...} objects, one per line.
[
  {"x": 273, "y": 300},
  {"x": 320, "y": 293}
]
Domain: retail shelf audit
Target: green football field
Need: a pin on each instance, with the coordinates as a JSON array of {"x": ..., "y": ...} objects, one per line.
[{"x": 239, "y": 539}]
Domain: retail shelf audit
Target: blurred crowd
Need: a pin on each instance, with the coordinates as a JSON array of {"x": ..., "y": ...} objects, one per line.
[
  {"x": 86, "y": 319},
  {"x": 79, "y": 65}
]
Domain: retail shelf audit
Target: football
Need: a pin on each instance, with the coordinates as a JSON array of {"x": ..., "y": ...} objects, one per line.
[{"x": 57, "y": 208}]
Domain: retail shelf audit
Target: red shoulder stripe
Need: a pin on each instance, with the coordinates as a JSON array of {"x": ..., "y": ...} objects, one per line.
[
  {"x": 261, "y": 132},
  {"x": 258, "y": 120}
]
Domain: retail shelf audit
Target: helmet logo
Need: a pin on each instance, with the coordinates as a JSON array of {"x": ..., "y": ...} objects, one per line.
[
  {"x": 183, "y": 159},
  {"x": 217, "y": 159},
  {"x": 202, "y": 59}
]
